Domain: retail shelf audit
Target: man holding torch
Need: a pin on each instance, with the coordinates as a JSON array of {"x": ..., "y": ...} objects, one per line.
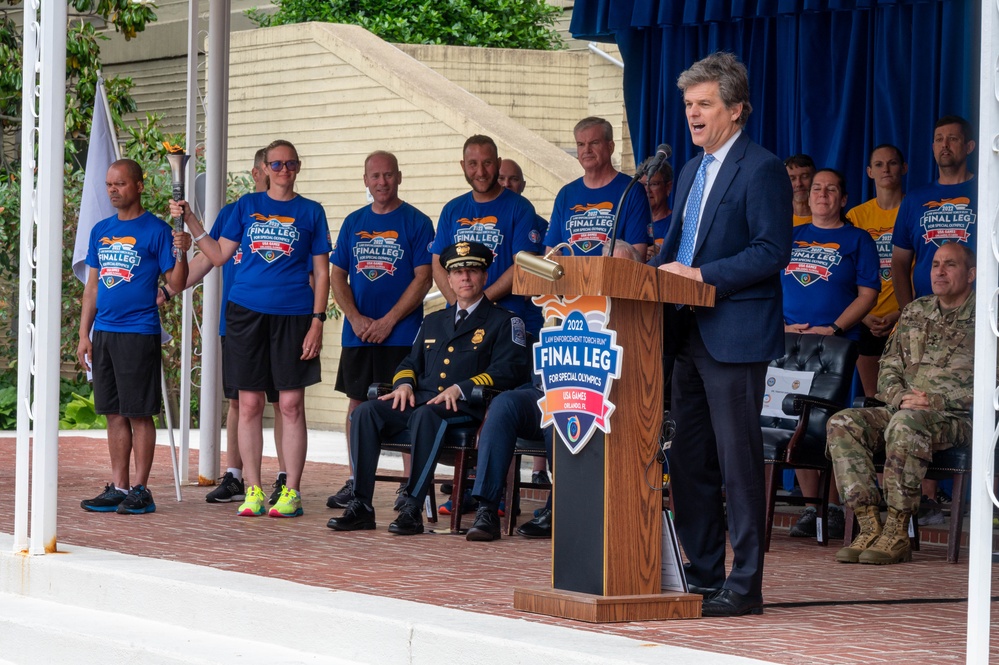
[{"x": 127, "y": 254}]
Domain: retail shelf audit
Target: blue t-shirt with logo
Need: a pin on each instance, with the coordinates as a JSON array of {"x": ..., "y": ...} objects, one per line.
[
  {"x": 380, "y": 254},
  {"x": 507, "y": 225},
  {"x": 277, "y": 242},
  {"x": 583, "y": 217},
  {"x": 129, "y": 256},
  {"x": 930, "y": 217},
  {"x": 826, "y": 267}
]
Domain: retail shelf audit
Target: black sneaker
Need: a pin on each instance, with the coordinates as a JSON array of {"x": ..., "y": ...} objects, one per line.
[
  {"x": 343, "y": 497},
  {"x": 409, "y": 522},
  {"x": 105, "y": 502},
  {"x": 837, "y": 523},
  {"x": 230, "y": 489},
  {"x": 138, "y": 501},
  {"x": 355, "y": 518},
  {"x": 805, "y": 528},
  {"x": 540, "y": 478},
  {"x": 278, "y": 488}
]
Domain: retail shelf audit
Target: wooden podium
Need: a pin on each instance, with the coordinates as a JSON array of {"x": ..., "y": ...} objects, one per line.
[{"x": 607, "y": 528}]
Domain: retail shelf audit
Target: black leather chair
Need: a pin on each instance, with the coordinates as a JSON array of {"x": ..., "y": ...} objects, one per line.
[{"x": 801, "y": 444}]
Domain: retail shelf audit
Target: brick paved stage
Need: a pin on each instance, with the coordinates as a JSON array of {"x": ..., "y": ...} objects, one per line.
[{"x": 817, "y": 611}]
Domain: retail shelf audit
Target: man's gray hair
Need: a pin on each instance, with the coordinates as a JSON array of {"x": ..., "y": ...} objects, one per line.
[
  {"x": 594, "y": 121},
  {"x": 731, "y": 76}
]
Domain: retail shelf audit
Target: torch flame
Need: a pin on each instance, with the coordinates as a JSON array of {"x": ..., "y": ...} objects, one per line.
[{"x": 173, "y": 149}]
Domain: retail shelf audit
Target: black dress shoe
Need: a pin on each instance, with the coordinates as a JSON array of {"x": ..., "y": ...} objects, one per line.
[
  {"x": 409, "y": 522},
  {"x": 728, "y": 603},
  {"x": 539, "y": 527},
  {"x": 706, "y": 591},
  {"x": 486, "y": 527},
  {"x": 355, "y": 518}
]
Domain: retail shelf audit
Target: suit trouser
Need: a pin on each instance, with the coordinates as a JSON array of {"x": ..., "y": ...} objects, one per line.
[
  {"x": 375, "y": 420},
  {"x": 512, "y": 414},
  {"x": 718, "y": 443}
]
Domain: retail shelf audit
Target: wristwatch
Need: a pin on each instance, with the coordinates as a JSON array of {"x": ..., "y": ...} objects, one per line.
[
  {"x": 319, "y": 315},
  {"x": 836, "y": 330}
]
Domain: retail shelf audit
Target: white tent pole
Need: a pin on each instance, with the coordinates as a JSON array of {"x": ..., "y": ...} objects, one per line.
[
  {"x": 51, "y": 156},
  {"x": 986, "y": 331},
  {"x": 215, "y": 153},
  {"x": 26, "y": 287},
  {"x": 191, "y": 132}
]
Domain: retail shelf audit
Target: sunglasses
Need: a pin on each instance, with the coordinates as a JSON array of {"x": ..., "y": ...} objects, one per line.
[{"x": 292, "y": 165}]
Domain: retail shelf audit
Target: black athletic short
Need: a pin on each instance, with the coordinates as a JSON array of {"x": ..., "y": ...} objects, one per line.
[
  {"x": 869, "y": 345},
  {"x": 230, "y": 392},
  {"x": 264, "y": 351},
  {"x": 126, "y": 370},
  {"x": 360, "y": 366}
]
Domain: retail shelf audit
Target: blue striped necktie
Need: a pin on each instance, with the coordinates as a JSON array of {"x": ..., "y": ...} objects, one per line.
[{"x": 692, "y": 213}]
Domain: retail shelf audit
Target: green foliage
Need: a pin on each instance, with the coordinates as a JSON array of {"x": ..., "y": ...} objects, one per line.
[
  {"x": 490, "y": 23},
  {"x": 143, "y": 143},
  {"x": 82, "y": 63},
  {"x": 8, "y": 408},
  {"x": 79, "y": 413}
]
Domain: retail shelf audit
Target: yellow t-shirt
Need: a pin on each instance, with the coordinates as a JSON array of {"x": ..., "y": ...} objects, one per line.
[
  {"x": 880, "y": 224},
  {"x": 798, "y": 221}
]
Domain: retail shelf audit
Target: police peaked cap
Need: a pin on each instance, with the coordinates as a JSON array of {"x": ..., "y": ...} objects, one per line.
[{"x": 466, "y": 255}]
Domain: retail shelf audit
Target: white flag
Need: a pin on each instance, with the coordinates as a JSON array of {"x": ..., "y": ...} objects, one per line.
[{"x": 94, "y": 204}]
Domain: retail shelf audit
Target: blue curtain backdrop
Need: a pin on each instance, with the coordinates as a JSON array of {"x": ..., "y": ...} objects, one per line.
[{"x": 830, "y": 78}]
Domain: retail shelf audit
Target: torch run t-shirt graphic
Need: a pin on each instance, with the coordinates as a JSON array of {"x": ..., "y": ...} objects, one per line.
[
  {"x": 577, "y": 361},
  {"x": 129, "y": 257},
  {"x": 277, "y": 242},
  {"x": 508, "y": 224},
  {"x": 380, "y": 254},
  {"x": 932, "y": 216},
  {"x": 583, "y": 216}
]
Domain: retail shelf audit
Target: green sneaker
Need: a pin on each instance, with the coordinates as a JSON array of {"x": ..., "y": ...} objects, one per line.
[
  {"x": 288, "y": 505},
  {"x": 253, "y": 505}
]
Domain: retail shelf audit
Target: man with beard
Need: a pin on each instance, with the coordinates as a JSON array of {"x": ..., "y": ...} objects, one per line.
[{"x": 490, "y": 214}]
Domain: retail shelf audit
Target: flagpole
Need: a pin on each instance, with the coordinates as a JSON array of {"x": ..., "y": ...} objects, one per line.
[{"x": 107, "y": 112}]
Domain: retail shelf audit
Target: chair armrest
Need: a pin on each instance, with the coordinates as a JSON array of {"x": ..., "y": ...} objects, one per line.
[
  {"x": 482, "y": 396},
  {"x": 864, "y": 402},
  {"x": 376, "y": 390},
  {"x": 795, "y": 404}
]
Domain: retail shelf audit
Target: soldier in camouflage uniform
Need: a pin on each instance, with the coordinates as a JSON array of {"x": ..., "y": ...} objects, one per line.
[{"x": 926, "y": 384}]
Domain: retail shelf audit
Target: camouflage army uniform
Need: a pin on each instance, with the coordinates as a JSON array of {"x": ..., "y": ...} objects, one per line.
[{"x": 929, "y": 351}]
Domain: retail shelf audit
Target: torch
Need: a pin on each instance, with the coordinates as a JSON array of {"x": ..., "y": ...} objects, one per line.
[{"x": 178, "y": 172}]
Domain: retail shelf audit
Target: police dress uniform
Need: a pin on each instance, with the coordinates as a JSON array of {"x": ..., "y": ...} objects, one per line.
[{"x": 488, "y": 348}]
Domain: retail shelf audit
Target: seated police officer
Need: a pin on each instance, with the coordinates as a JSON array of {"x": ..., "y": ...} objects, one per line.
[{"x": 473, "y": 343}]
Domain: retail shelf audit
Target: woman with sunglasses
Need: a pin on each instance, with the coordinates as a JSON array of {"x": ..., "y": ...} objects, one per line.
[{"x": 274, "y": 319}]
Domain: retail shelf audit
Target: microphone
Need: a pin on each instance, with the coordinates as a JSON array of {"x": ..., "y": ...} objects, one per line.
[{"x": 663, "y": 152}]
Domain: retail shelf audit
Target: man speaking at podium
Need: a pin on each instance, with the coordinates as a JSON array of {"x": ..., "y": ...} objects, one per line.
[{"x": 730, "y": 229}]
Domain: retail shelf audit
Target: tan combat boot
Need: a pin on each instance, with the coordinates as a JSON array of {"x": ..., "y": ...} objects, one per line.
[
  {"x": 870, "y": 528},
  {"x": 892, "y": 546}
]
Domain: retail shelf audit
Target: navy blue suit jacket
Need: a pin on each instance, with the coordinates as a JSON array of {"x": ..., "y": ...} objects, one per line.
[{"x": 743, "y": 243}]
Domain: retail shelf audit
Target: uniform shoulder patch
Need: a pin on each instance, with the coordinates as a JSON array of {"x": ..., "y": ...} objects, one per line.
[{"x": 519, "y": 331}]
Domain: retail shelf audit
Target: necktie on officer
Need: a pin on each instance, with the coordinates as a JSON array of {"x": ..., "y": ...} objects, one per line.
[
  {"x": 692, "y": 213},
  {"x": 462, "y": 315}
]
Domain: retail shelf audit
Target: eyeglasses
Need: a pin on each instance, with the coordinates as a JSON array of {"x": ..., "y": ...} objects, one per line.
[{"x": 292, "y": 165}]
